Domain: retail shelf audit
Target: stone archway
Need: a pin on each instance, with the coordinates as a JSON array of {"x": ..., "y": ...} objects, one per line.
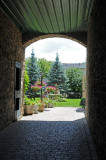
[
  {"x": 70, "y": 36},
  {"x": 12, "y": 50}
]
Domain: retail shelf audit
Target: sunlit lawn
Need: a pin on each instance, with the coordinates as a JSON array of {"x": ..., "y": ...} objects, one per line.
[{"x": 68, "y": 103}]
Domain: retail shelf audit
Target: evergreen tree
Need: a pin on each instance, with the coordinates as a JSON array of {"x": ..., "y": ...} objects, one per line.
[
  {"x": 33, "y": 73},
  {"x": 44, "y": 66},
  {"x": 57, "y": 75},
  {"x": 75, "y": 79},
  {"x": 66, "y": 85}
]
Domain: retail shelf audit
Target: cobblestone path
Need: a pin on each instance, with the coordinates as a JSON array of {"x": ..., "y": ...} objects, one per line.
[{"x": 59, "y": 133}]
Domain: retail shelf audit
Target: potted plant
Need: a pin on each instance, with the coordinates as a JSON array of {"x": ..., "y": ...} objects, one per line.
[
  {"x": 46, "y": 101},
  {"x": 83, "y": 102},
  {"x": 28, "y": 106},
  {"x": 41, "y": 106},
  {"x": 50, "y": 89},
  {"x": 39, "y": 83},
  {"x": 51, "y": 103},
  {"x": 36, "y": 108},
  {"x": 36, "y": 87}
]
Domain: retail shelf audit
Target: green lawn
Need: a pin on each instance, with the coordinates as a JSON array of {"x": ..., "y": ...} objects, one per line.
[
  {"x": 36, "y": 99},
  {"x": 69, "y": 103}
]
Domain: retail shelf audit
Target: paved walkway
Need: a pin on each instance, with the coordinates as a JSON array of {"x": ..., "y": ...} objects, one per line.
[{"x": 59, "y": 133}]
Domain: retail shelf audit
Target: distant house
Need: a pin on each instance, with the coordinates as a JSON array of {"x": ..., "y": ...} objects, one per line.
[{"x": 81, "y": 66}]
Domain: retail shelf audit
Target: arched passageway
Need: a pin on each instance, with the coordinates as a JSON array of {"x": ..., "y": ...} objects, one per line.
[{"x": 12, "y": 51}]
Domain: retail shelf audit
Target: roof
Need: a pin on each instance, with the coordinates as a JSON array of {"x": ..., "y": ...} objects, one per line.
[
  {"x": 74, "y": 65},
  {"x": 48, "y": 16}
]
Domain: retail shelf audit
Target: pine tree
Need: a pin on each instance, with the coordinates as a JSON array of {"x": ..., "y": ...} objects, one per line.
[
  {"x": 57, "y": 75},
  {"x": 66, "y": 85},
  {"x": 33, "y": 73}
]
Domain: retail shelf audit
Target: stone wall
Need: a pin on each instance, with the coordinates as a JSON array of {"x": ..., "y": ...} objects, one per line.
[
  {"x": 84, "y": 87},
  {"x": 11, "y": 50},
  {"x": 96, "y": 76},
  {"x": 80, "y": 37}
]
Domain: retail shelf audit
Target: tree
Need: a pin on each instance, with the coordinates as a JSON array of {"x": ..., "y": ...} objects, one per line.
[
  {"x": 44, "y": 66},
  {"x": 33, "y": 73},
  {"x": 66, "y": 87},
  {"x": 27, "y": 62},
  {"x": 57, "y": 75},
  {"x": 75, "y": 79},
  {"x": 26, "y": 80}
]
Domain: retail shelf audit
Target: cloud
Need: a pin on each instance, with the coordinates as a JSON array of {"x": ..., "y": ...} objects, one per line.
[
  {"x": 69, "y": 51},
  {"x": 54, "y": 44}
]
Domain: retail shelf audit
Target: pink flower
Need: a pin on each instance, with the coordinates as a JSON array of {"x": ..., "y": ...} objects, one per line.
[
  {"x": 52, "y": 88},
  {"x": 39, "y": 83},
  {"x": 36, "y": 87}
]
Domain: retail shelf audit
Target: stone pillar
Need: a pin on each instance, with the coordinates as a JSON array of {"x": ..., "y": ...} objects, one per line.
[
  {"x": 96, "y": 76},
  {"x": 83, "y": 86}
]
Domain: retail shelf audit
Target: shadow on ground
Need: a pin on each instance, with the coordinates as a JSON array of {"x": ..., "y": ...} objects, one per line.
[
  {"x": 80, "y": 110},
  {"x": 45, "y": 140}
]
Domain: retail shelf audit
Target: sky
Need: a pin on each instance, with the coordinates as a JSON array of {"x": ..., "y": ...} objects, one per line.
[{"x": 69, "y": 51}]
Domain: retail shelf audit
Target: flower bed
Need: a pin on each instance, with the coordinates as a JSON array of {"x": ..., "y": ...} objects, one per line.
[{"x": 55, "y": 96}]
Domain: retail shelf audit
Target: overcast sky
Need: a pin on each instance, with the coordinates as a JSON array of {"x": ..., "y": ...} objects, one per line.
[{"x": 69, "y": 51}]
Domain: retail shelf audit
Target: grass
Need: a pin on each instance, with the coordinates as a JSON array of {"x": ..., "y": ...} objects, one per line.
[
  {"x": 37, "y": 99},
  {"x": 69, "y": 103}
]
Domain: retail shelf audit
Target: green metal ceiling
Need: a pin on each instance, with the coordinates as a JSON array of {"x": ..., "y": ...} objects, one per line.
[{"x": 48, "y": 16}]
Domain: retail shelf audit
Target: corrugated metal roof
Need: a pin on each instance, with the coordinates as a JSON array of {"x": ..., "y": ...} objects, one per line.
[{"x": 48, "y": 16}]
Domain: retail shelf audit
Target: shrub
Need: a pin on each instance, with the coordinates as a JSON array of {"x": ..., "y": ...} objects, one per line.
[
  {"x": 28, "y": 101},
  {"x": 61, "y": 100},
  {"x": 55, "y": 96},
  {"x": 49, "y": 100}
]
